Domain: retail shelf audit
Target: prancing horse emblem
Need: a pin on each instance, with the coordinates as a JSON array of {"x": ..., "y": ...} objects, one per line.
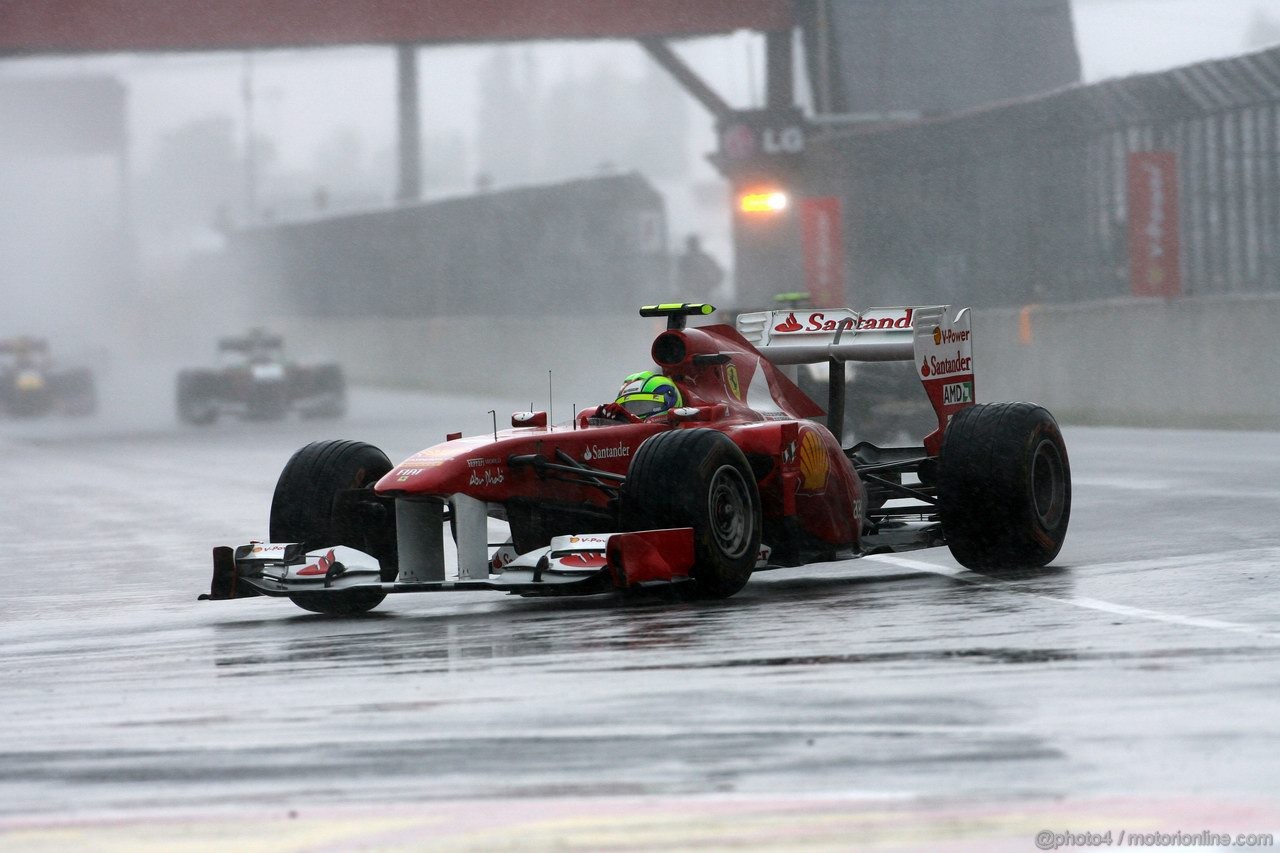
[{"x": 731, "y": 381}]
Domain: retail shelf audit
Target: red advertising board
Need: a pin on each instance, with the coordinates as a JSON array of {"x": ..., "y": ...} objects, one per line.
[
  {"x": 44, "y": 26},
  {"x": 822, "y": 238},
  {"x": 1153, "y": 224}
]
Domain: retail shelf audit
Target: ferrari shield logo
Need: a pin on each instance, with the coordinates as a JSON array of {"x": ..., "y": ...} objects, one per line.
[{"x": 731, "y": 381}]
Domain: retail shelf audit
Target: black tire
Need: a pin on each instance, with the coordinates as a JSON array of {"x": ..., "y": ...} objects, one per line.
[
  {"x": 78, "y": 393},
  {"x": 31, "y": 404},
  {"x": 698, "y": 478},
  {"x": 1004, "y": 486},
  {"x": 305, "y": 509},
  {"x": 329, "y": 380},
  {"x": 197, "y": 403}
]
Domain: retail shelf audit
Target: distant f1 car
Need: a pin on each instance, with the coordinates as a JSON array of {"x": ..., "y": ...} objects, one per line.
[
  {"x": 31, "y": 385},
  {"x": 735, "y": 479},
  {"x": 255, "y": 381}
]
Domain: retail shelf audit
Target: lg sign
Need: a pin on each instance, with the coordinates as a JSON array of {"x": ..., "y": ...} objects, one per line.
[
  {"x": 741, "y": 141},
  {"x": 782, "y": 140}
]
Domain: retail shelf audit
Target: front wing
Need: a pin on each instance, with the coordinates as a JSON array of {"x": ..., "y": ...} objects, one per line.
[{"x": 572, "y": 565}]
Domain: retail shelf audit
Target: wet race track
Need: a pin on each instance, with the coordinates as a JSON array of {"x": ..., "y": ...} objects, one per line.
[{"x": 898, "y": 701}]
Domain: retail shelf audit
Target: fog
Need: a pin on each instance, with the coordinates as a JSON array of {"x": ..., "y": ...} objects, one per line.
[{"x": 105, "y": 254}]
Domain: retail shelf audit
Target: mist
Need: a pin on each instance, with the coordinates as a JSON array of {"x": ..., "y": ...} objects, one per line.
[{"x": 124, "y": 261}]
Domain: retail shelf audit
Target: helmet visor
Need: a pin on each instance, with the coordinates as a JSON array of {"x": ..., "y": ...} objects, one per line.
[{"x": 643, "y": 405}]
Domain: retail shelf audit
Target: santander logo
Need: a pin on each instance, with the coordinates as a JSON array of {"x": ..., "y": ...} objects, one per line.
[
  {"x": 789, "y": 324},
  {"x": 819, "y": 321}
]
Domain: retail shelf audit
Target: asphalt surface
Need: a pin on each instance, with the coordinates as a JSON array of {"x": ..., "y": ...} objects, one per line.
[{"x": 861, "y": 702}]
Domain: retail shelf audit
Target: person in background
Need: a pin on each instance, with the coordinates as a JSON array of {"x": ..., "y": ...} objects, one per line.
[{"x": 698, "y": 276}]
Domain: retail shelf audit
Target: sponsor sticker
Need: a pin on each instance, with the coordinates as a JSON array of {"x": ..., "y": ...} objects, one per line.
[
  {"x": 502, "y": 557},
  {"x": 617, "y": 451},
  {"x": 589, "y": 540},
  {"x": 955, "y": 393},
  {"x": 944, "y": 337},
  {"x": 731, "y": 381},
  {"x": 934, "y": 366},
  {"x": 268, "y": 549},
  {"x": 815, "y": 465},
  {"x": 886, "y": 320},
  {"x": 815, "y": 321},
  {"x": 487, "y": 477}
]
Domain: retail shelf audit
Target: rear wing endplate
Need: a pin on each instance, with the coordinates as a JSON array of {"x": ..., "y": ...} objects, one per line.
[{"x": 937, "y": 338}]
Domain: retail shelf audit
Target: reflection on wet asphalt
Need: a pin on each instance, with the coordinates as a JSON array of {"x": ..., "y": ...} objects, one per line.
[{"x": 870, "y": 676}]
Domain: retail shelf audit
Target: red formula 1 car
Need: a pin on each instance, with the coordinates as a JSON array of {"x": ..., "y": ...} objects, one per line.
[{"x": 741, "y": 477}]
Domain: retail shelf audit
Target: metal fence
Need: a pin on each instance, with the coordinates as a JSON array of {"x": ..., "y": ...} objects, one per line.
[{"x": 1026, "y": 201}]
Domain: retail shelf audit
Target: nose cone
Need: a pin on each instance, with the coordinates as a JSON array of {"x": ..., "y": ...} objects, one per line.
[{"x": 444, "y": 469}]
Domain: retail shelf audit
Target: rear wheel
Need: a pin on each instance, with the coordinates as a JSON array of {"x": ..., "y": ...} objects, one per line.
[
  {"x": 196, "y": 400},
  {"x": 1004, "y": 486},
  {"x": 698, "y": 478},
  {"x": 78, "y": 393},
  {"x": 331, "y": 384},
  {"x": 308, "y": 507}
]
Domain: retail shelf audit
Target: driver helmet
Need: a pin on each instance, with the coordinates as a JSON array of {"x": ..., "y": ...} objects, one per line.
[{"x": 646, "y": 394}]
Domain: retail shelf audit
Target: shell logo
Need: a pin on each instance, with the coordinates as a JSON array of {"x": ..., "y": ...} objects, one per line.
[
  {"x": 937, "y": 336},
  {"x": 814, "y": 463}
]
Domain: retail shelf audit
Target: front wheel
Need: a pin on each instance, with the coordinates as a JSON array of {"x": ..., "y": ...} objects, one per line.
[
  {"x": 698, "y": 478},
  {"x": 309, "y": 507},
  {"x": 1004, "y": 486}
]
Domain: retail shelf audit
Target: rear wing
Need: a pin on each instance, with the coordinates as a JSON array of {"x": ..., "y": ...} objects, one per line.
[
  {"x": 24, "y": 346},
  {"x": 255, "y": 341},
  {"x": 937, "y": 338}
]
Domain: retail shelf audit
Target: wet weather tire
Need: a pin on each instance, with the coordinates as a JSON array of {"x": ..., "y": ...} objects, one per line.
[
  {"x": 698, "y": 478},
  {"x": 329, "y": 383},
  {"x": 1004, "y": 486},
  {"x": 197, "y": 403},
  {"x": 305, "y": 508},
  {"x": 78, "y": 393}
]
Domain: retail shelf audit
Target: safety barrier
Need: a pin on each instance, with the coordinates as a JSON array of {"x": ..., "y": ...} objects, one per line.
[
  {"x": 1207, "y": 362},
  {"x": 1026, "y": 200}
]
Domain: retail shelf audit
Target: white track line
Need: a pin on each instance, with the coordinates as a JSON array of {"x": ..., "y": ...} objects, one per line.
[{"x": 1075, "y": 601}]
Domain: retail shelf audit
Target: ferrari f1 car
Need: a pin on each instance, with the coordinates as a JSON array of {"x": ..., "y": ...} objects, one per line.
[
  {"x": 31, "y": 385},
  {"x": 737, "y": 479},
  {"x": 255, "y": 381}
]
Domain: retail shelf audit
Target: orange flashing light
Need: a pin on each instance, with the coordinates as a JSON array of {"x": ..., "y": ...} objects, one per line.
[{"x": 772, "y": 201}]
